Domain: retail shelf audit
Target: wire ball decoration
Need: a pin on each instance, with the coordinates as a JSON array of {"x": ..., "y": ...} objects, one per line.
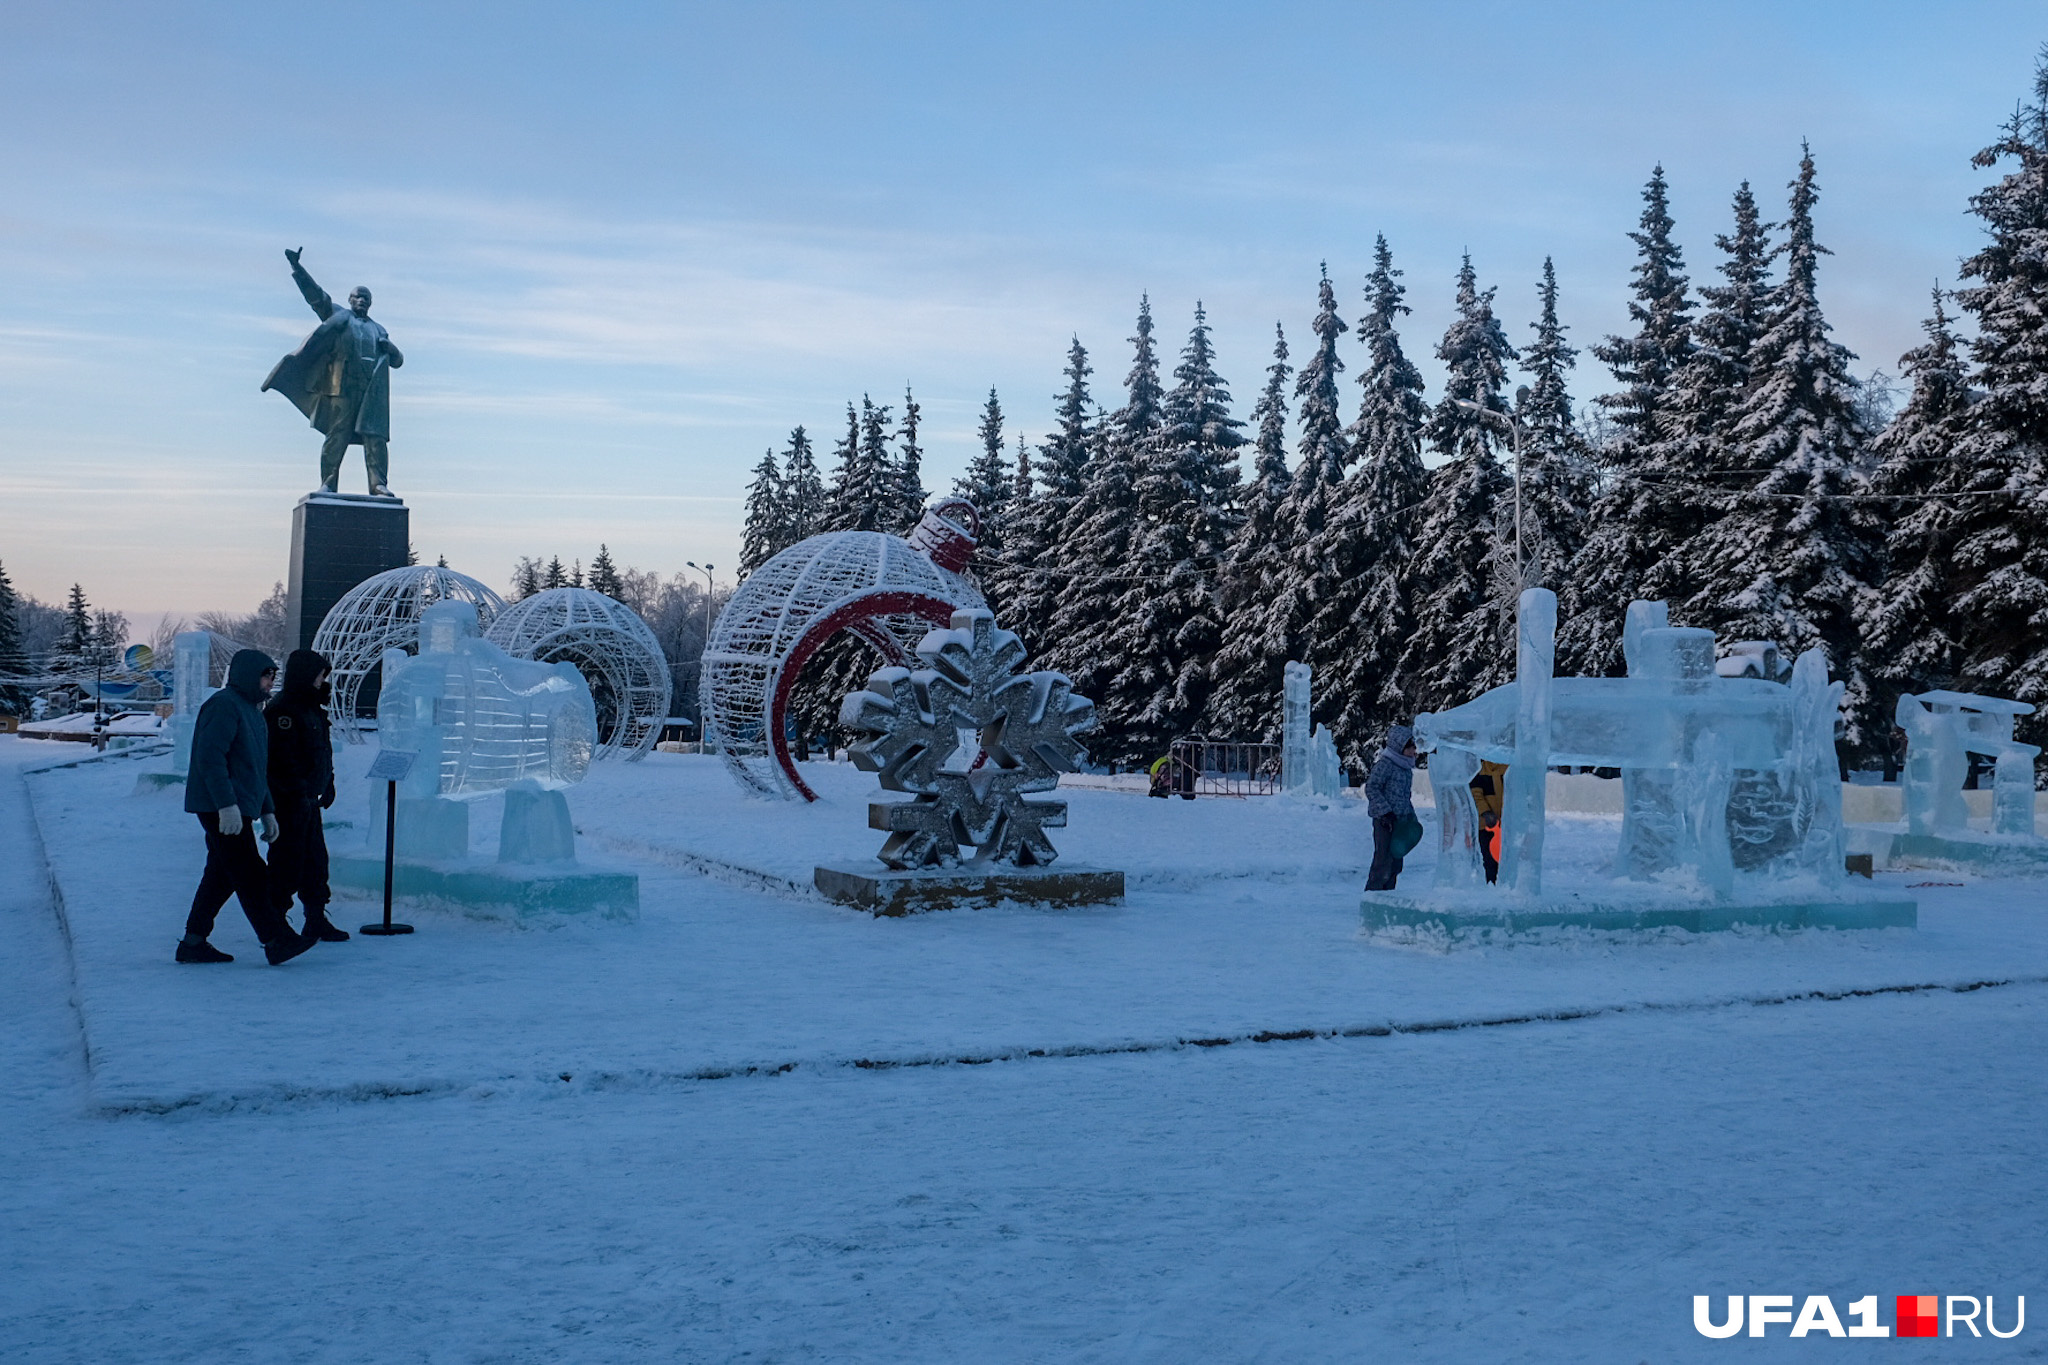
[
  {"x": 610, "y": 645},
  {"x": 383, "y": 612},
  {"x": 887, "y": 590}
]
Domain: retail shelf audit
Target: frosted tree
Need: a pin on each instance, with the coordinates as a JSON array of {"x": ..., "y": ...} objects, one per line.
[
  {"x": 1463, "y": 640},
  {"x": 1372, "y": 533},
  {"x": 556, "y": 576},
  {"x": 1911, "y": 630},
  {"x": 525, "y": 577},
  {"x": 604, "y": 575},
  {"x": 762, "y": 538},
  {"x": 1999, "y": 566},
  {"x": 1247, "y": 675},
  {"x": 909, "y": 467},
  {"x": 13, "y": 648},
  {"x": 867, "y": 487},
  {"x": 1101, "y": 590},
  {"x": 1640, "y": 516},
  {"x": 1791, "y": 556},
  {"x": 988, "y": 481},
  {"x": 1031, "y": 578},
  {"x": 803, "y": 491},
  {"x": 1555, "y": 480},
  {"x": 842, "y": 510},
  {"x": 1185, "y": 487}
]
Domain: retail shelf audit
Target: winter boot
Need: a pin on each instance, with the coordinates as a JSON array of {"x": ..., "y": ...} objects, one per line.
[
  {"x": 199, "y": 950},
  {"x": 323, "y": 928},
  {"x": 282, "y": 950}
]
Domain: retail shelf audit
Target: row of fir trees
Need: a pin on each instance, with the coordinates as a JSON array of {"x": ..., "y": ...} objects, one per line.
[{"x": 1738, "y": 471}]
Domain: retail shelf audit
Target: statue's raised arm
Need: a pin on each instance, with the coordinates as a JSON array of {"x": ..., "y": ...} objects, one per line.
[{"x": 316, "y": 297}]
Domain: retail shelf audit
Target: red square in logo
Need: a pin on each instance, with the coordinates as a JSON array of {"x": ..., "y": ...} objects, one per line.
[{"x": 1919, "y": 1315}]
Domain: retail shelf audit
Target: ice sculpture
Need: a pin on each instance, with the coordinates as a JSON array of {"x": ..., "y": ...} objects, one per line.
[
  {"x": 1308, "y": 758},
  {"x": 969, "y": 736},
  {"x": 1942, "y": 730},
  {"x": 1721, "y": 774},
  {"x": 479, "y": 719},
  {"x": 383, "y": 613},
  {"x": 191, "y": 670}
]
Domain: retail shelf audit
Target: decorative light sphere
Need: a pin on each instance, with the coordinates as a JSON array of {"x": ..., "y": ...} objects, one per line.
[
  {"x": 610, "y": 646},
  {"x": 383, "y": 612},
  {"x": 885, "y": 589}
]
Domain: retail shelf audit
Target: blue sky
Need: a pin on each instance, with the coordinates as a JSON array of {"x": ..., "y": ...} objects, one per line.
[{"x": 626, "y": 248}]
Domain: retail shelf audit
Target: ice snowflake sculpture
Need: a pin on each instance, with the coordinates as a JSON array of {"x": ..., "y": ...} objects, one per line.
[{"x": 969, "y": 736}]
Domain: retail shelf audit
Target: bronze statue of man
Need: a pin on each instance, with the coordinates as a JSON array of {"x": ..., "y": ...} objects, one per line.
[{"x": 341, "y": 379}]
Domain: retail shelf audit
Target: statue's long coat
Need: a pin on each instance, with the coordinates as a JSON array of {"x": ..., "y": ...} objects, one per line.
[{"x": 341, "y": 375}]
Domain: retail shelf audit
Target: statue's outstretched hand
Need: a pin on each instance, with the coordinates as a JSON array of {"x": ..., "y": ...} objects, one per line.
[{"x": 292, "y": 254}]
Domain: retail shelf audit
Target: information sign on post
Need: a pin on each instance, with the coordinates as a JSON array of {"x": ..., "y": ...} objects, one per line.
[{"x": 390, "y": 767}]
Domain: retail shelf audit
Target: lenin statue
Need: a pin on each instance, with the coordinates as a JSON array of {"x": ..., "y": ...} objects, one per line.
[{"x": 341, "y": 379}]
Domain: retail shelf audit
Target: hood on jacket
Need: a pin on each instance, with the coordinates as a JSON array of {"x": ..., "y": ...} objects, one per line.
[
  {"x": 245, "y": 673},
  {"x": 302, "y": 668},
  {"x": 1399, "y": 737}
]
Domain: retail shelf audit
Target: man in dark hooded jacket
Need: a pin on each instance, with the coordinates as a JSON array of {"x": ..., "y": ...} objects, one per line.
[
  {"x": 227, "y": 789},
  {"x": 302, "y": 785}
]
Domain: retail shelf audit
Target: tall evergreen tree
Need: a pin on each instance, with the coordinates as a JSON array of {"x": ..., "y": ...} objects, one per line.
[
  {"x": 911, "y": 491},
  {"x": 1020, "y": 479},
  {"x": 803, "y": 491},
  {"x": 1555, "y": 478},
  {"x": 13, "y": 653},
  {"x": 987, "y": 482},
  {"x": 556, "y": 576},
  {"x": 1463, "y": 642},
  {"x": 867, "y": 491},
  {"x": 1247, "y": 674},
  {"x": 1101, "y": 590},
  {"x": 1999, "y": 569},
  {"x": 604, "y": 575},
  {"x": 1791, "y": 557},
  {"x": 767, "y": 516},
  {"x": 1640, "y": 516},
  {"x": 1372, "y": 536},
  {"x": 74, "y": 652},
  {"x": 1185, "y": 487},
  {"x": 1032, "y": 577},
  {"x": 1912, "y": 636},
  {"x": 525, "y": 577}
]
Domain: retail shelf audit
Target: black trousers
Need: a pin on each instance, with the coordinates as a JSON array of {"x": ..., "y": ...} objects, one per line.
[
  {"x": 1386, "y": 868},
  {"x": 298, "y": 857},
  {"x": 234, "y": 867}
]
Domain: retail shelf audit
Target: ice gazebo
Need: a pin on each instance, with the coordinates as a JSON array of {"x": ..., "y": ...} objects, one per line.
[{"x": 1732, "y": 808}]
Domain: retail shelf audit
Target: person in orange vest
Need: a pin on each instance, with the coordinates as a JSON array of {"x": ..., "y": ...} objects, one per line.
[{"x": 1489, "y": 797}]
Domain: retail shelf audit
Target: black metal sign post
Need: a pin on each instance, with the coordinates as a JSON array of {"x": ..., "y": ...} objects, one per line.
[{"x": 391, "y": 766}]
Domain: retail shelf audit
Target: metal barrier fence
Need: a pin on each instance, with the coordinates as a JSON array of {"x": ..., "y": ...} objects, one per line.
[{"x": 1204, "y": 767}]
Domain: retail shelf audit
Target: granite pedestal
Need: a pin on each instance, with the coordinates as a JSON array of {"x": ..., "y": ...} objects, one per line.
[
  {"x": 886, "y": 891},
  {"x": 338, "y": 540}
]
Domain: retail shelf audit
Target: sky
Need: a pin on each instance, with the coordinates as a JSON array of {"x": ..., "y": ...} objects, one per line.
[{"x": 626, "y": 248}]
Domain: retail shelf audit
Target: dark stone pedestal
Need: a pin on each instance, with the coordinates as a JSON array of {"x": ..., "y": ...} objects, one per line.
[
  {"x": 885, "y": 891},
  {"x": 338, "y": 540}
]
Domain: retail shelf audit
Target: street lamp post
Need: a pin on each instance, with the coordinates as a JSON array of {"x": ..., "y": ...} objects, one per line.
[
  {"x": 1515, "y": 443},
  {"x": 704, "y": 569}
]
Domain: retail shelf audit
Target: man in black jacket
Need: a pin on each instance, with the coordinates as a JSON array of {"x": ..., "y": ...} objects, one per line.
[
  {"x": 302, "y": 785},
  {"x": 227, "y": 789}
]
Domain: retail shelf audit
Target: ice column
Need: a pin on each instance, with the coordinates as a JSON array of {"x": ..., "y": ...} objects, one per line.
[
  {"x": 1648, "y": 838},
  {"x": 1326, "y": 770},
  {"x": 1816, "y": 770},
  {"x": 1521, "y": 853},
  {"x": 1294, "y": 731},
  {"x": 1450, "y": 776},
  {"x": 2012, "y": 790},
  {"x": 191, "y": 665},
  {"x": 1935, "y": 768}
]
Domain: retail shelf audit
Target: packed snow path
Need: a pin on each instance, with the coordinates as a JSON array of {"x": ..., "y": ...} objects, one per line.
[{"x": 1539, "y": 1192}]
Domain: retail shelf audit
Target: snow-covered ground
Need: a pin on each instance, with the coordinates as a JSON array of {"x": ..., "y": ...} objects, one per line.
[{"x": 488, "y": 1142}]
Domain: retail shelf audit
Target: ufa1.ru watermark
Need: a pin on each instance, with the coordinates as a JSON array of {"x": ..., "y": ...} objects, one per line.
[{"x": 1914, "y": 1315}]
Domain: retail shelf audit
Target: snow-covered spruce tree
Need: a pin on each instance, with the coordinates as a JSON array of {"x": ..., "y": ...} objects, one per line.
[
  {"x": 1910, "y": 629},
  {"x": 1709, "y": 461},
  {"x": 867, "y": 488},
  {"x": 1032, "y": 577},
  {"x": 909, "y": 465},
  {"x": 1101, "y": 591},
  {"x": 604, "y": 575},
  {"x": 987, "y": 484},
  {"x": 1640, "y": 516},
  {"x": 803, "y": 492},
  {"x": 525, "y": 577},
  {"x": 1999, "y": 567},
  {"x": 1372, "y": 533},
  {"x": 1247, "y": 678},
  {"x": 1463, "y": 642},
  {"x": 74, "y": 649},
  {"x": 842, "y": 510},
  {"x": 762, "y": 537},
  {"x": 1186, "y": 488},
  {"x": 1279, "y": 626},
  {"x": 556, "y": 576},
  {"x": 13, "y": 652},
  {"x": 1556, "y": 478},
  {"x": 1790, "y": 557}
]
